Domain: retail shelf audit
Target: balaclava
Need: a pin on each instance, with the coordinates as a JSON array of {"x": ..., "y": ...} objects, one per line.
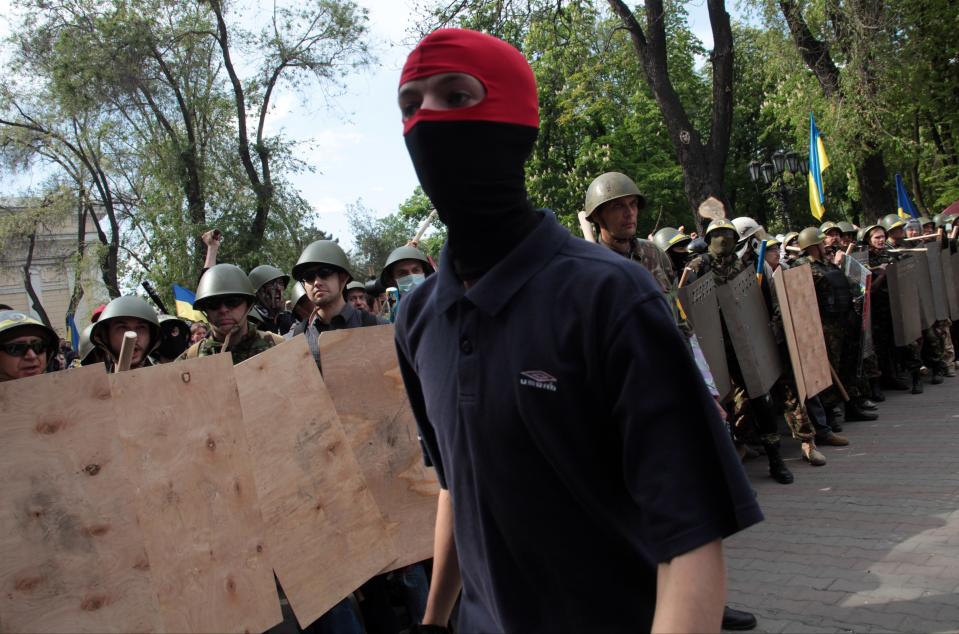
[
  {"x": 470, "y": 160},
  {"x": 722, "y": 243}
]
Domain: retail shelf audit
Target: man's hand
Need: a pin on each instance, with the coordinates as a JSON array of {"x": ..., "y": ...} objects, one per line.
[
  {"x": 837, "y": 259},
  {"x": 212, "y": 238}
]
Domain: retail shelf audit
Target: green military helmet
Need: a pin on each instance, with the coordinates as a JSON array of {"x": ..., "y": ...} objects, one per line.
[
  {"x": 610, "y": 186},
  {"x": 865, "y": 231},
  {"x": 772, "y": 241},
  {"x": 926, "y": 220},
  {"x": 669, "y": 237},
  {"x": 169, "y": 321},
  {"x": 720, "y": 223},
  {"x": 846, "y": 227},
  {"x": 892, "y": 221},
  {"x": 828, "y": 225},
  {"x": 321, "y": 252},
  {"x": 405, "y": 252},
  {"x": 789, "y": 237},
  {"x": 223, "y": 280},
  {"x": 298, "y": 293},
  {"x": 85, "y": 347},
  {"x": 266, "y": 273},
  {"x": 13, "y": 320},
  {"x": 809, "y": 236},
  {"x": 354, "y": 286},
  {"x": 126, "y": 306},
  {"x": 746, "y": 227}
]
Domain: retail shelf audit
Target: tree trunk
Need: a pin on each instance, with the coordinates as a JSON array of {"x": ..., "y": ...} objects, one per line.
[
  {"x": 28, "y": 283},
  {"x": 82, "y": 210},
  {"x": 874, "y": 191}
]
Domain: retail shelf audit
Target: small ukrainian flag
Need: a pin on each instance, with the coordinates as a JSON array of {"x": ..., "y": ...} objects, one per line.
[
  {"x": 184, "y": 304},
  {"x": 907, "y": 209},
  {"x": 818, "y": 162}
]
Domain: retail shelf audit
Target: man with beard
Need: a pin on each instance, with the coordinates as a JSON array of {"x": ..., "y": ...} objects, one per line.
[
  {"x": 270, "y": 284},
  {"x": 584, "y": 470},
  {"x": 122, "y": 315},
  {"x": 225, "y": 296},
  {"x": 25, "y": 345},
  {"x": 721, "y": 260}
]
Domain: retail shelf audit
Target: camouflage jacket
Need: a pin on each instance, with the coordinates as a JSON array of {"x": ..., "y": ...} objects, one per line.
[
  {"x": 724, "y": 268},
  {"x": 255, "y": 342},
  {"x": 652, "y": 259}
]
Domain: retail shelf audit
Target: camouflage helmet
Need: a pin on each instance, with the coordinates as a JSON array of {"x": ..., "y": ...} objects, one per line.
[
  {"x": 865, "y": 231},
  {"x": 720, "y": 223},
  {"x": 810, "y": 236},
  {"x": 405, "y": 252},
  {"x": 126, "y": 306},
  {"x": 223, "y": 280},
  {"x": 85, "y": 347},
  {"x": 789, "y": 237},
  {"x": 669, "y": 237},
  {"x": 610, "y": 186},
  {"x": 746, "y": 227},
  {"x": 892, "y": 221},
  {"x": 13, "y": 320},
  {"x": 846, "y": 227},
  {"x": 266, "y": 273},
  {"x": 321, "y": 252}
]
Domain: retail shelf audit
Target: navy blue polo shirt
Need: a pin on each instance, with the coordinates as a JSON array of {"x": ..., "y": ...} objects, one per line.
[{"x": 576, "y": 436}]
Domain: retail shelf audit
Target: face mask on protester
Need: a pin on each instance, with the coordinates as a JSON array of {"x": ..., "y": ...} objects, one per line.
[
  {"x": 470, "y": 160},
  {"x": 408, "y": 282}
]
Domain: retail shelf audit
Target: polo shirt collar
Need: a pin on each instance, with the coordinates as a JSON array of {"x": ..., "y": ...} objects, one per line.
[
  {"x": 498, "y": 285},
  {"x": 343, "y": 316}
]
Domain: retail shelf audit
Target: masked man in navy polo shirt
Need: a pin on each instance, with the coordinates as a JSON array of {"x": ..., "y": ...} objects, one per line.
[{"x": 587, "y": 480}]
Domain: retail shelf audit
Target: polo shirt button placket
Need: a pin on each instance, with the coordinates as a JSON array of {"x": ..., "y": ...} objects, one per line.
[{"x": 466, "y": 346}]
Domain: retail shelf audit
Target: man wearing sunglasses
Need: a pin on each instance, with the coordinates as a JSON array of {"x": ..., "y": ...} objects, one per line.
[
  {"x": 25, "y": 345},
  {"x": 225, "y": 296},
  {"x": 122, "y": 315},
  {"x": 324, "y": 272}
]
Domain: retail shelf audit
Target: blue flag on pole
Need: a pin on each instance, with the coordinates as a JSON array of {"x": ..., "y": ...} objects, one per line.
[
  {"x": 184, "y": 304},
  {"x": 818, "y": 162},
  {"x": 907, "y": 210},
  {"x": 73, "y": 335}
]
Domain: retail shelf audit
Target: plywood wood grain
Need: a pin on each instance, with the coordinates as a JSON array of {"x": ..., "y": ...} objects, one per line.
[
  {"x": 183, "y": 439},
  {"x": 362, "y": 374},
  {"x": 324, "y": 531},
  {"x": 803, "y": 329},
  {"x": 72, "y": 556}
]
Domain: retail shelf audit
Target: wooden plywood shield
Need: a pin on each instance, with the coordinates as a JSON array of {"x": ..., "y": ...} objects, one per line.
[
  {"x": 71, "y": 552},
  {"x": 183, "y": 439},
  {"x": 802, "y": 326},
  {"x": 747, "y": 321},
  {"x": 701, "y": 306},
  {"x": 325, "y": 535},
  {"x": 950, "y": 273},
  {"x": 362, "y": 373},
  {"x": 927, "y": 308},
  {"x": 904, "y": 301}
]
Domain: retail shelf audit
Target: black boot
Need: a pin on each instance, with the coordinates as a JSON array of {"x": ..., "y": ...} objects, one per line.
[
  {"x": 936, "y": 377},
  {"x": 877, "y": 394},
  {"x": 777, "y": 468},
  {"x": 834, "y": 417},
  {"x": 737, "y": 620},
  {"x": 916, "y": 382},
  {"x": 866, "y": 404},
  {"x": 856, "y": 413}
]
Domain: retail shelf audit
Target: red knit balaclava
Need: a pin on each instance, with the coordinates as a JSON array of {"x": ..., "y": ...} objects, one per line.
[{"x": 470, "y": 160}]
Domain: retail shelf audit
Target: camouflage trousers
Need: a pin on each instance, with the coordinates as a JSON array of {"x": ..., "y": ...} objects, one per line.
[
  {"x": 934, "y": 345},
  {"x": 950, "y": 351},
  {"x": 842, "y": 347},
  {"x": 752, "y": 418}
]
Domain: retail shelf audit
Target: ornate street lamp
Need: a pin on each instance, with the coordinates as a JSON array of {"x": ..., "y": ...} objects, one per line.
[
  {"x": 754, "y": 168},
  {"x": 769, "y": 172},
  {"x": 792, "y": 162},
  {"x": 779, "y": 161}
]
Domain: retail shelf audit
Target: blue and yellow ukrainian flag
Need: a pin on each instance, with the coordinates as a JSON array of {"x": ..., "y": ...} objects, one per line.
[
  {"x": 907, "y": 210},
  {"x": 184, "y": 304},
  {"x": 73, "y": 335},
  {"x": 818, "y": 162}
]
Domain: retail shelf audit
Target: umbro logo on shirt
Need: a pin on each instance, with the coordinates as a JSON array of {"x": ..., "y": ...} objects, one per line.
[{"x": 538, "y": 379}]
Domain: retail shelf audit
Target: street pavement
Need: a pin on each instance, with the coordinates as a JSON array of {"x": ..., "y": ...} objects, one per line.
[{"x": 867, "y": 543}]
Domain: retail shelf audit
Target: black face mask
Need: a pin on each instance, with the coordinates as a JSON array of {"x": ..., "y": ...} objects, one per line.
[
  {"x": 171, "y": 347},
  {"x": 473, "y": 173}
]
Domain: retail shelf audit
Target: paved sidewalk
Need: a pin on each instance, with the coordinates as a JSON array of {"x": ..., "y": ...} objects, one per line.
[{"x": 867, "y": 543}]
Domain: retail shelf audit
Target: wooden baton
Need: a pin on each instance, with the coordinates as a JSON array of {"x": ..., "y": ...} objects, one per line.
[
  {"x": 839, "y": 385},
  {"x": 586, "y": 227},
  {"x": 126, "y": 351}
]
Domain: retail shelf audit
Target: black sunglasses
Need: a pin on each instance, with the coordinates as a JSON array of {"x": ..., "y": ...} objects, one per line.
[
  {"x": 20, "y": 349},
  {"x": 308, "y": 277},
  {"x": 230, "y": 301}
]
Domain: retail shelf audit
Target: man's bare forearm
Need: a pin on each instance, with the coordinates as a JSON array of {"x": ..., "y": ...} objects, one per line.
[
  {"x": 446, "y": 583},
  {"x": 691, "y": 591}
]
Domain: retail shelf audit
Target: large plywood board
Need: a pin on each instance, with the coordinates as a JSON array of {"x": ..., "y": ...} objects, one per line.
[
  {"x": 699, "y": 302},
  {"x": 802, "y": 326},
  {"x": 72, "y": 557},
  {"x": 324, "y": 532},
  {"x": 747, "y": 321},
  {"x": 904, "y": 301},
  {"x": 363, "y": 376},
  {"x": 183, "y": 439}
]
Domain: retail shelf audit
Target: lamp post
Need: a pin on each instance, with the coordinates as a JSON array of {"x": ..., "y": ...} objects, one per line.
[{"x": 772, "y": 174}]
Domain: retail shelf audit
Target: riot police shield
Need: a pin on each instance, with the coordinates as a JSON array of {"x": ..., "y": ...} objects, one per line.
[
  {"x": 949, "y": 274},
  {"x": 927, "y": 308},
  {"x": 803, "y": 330},
  {"x": 699, "y": 303},
  {"x": 934, "y": 254},
  {"x": 742, "y": 307},
  {"x": 904, "y": 301}
]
